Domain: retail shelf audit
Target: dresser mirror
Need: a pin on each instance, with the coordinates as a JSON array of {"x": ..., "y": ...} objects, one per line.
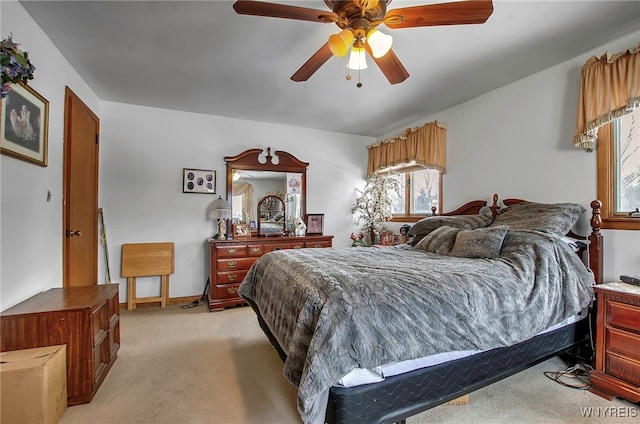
[{"x": 255, "y": 179}]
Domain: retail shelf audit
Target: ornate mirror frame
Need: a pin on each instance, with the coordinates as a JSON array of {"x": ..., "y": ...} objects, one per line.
[{"x": 258, "y": 160}]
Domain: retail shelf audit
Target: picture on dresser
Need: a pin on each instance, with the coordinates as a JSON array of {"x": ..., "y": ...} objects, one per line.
[
  {"x": 241, "y": 230},
  {"x": 198, "y": 181},
  {"x": 315, "y": 223}
]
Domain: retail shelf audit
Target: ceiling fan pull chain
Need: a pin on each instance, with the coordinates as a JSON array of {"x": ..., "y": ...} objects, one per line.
[{"x": 359, "y": 84}]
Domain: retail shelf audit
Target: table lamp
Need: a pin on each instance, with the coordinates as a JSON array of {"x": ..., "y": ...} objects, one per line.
[{"x": 220, "y": 210}]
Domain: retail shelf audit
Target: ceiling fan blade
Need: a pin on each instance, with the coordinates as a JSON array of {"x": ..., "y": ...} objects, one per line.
[
  {"x": 454, "y": 13},
  {"x": 313, "y": 64},
  {"x": 390, "y": 66},
  {"x": 273, "y": 10}
]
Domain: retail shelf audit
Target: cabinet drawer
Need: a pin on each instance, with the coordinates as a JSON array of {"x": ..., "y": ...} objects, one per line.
[
  {"x": 317, "y": 244},
  {"x": 231, "y": 277},
  {"x": 226, "y": 291},
  {"x": 100, "y": 323},
  {"x": 624, "y": 368},
  {"x": 276, "y": 246},
  {"x": 256, "y": 250},
  {"x": 231, "y": 251},
  {"x": 624, "y": 343},
  {"x": 624, "y": 316},
  {"x": 236, "y": 264},
  {"x": 297, "y": 245}
]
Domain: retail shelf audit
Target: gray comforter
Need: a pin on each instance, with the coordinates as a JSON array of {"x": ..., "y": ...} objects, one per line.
[{"x": 333, "y": 310}]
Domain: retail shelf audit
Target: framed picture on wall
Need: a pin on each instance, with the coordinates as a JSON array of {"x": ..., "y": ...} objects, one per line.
[
  {"x": 24, "y": 124},
  {"x": 198, "y": 181},
  {"x": 315, "y": 223}
]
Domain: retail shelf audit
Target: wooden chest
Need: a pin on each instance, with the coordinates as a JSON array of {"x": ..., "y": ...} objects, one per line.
[{"x": 86, "y": 319}]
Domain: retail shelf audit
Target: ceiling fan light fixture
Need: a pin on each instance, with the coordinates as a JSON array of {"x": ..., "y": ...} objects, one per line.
[
  {"x": 379, "y": 42},
  {"x": 366, "y": 4},
  {"x": 339, "y": 43},
  {"x": 357, "y": 59}
]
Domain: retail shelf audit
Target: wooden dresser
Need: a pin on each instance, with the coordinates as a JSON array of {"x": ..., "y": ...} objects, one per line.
[
  {"x": 617, "y": 368},
  {"x": 231, "y": 259},
  {"x": 86, "y": 319}
]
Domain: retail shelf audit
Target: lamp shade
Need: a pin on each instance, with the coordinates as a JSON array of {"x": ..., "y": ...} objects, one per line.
[
  {"x": 379, "y": 42},
  {"x": 219, "y": 209},
  {"x": 357, "y": 60},
  {"x": 339, "y": 43}
]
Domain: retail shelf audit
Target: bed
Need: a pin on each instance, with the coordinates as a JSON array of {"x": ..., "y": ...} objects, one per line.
[{"x": 497, "y": 292}]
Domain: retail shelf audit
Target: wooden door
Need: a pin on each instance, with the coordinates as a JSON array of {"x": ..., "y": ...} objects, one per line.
[{"x": 80, "y": 206}]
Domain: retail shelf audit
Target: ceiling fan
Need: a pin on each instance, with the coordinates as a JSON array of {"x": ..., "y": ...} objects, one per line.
[{"x": 358, "y": 20}]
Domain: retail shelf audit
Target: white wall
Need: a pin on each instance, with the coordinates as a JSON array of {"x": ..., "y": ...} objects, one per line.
[
  {"x": 31, "y": 227},
  {"x": 517, "y": 142},
  {"x": 143, "y": 151}
]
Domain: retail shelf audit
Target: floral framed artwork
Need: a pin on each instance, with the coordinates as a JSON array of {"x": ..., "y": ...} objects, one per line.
[
  {"x": 315, "y": 223},
  {"x": 24, "y": 126},
  {"x": 198, "y": 181}
]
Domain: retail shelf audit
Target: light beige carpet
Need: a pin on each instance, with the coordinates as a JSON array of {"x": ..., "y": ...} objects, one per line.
[{"x": 180, "y": 365}]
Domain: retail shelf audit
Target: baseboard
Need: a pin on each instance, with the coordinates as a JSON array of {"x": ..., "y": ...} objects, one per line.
[{"x": 171, "y": 301}]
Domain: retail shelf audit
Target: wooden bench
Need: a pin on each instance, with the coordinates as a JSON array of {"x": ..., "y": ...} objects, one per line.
[{"x": 145, "y": 260}]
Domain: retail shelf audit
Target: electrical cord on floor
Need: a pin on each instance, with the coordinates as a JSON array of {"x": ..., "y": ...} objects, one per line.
[
  {"x": 576, "y": 377},
  {"x": 199, "y": 301}
]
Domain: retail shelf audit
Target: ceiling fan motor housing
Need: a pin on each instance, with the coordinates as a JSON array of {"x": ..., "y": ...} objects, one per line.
[{"x": 352, "y": 16}]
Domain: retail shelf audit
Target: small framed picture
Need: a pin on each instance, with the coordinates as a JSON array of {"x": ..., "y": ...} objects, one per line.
[
  {"x": 315, "y": 223},
  {"x": 241, "y": 231},
  {"x": 386, "y": 238},
  {"x": 399, "y": 239},
  {"x": 24, "y": 124},
  {"x": 198, "y": 181}
]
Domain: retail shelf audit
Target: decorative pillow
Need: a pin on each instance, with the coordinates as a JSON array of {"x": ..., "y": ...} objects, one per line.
[
  {"x": 551, "y": 218},
  {"x": 440, "y": 240},
  {"x": 480, "y": 243},
  {"x": 430, "y": 223}
]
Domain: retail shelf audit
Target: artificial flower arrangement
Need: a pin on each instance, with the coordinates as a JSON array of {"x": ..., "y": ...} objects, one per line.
[{"x": 16, "y": 66}]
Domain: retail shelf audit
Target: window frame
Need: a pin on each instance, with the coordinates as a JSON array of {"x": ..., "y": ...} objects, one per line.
[
  {"x": 408, "y": 216},
  {"x": 606, "y": 179}
]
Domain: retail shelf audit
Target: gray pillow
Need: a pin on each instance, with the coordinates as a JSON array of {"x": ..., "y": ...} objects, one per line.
[
  {"x": 430, "y": 223},
  {"x": 480, "y": 243},
  {"x": 550, "y": 218},
  {"x": 440, "y": 240}
]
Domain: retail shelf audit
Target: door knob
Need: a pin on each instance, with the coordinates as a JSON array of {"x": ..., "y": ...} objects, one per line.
[{"x": 73, "y": 233}]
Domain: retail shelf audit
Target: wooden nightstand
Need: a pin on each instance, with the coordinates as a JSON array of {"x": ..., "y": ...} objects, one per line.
[{"x": 617, "y": 367}]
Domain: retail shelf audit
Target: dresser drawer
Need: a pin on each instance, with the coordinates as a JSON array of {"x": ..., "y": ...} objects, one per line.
[
  {"x": 236, "y": 264},
  {"x": 317, "y": 244},
  {"x": 100, "y": 323},
  {"x": 276, "y": 246},
  {"x": 624, "y": 368},
  {"x": 231, "y": 251},
  {"x": 226, "y": 291},
  {"x": 231, "y": 277},
  {"x": 624, "y": 343},
  {"x": 625, "y": 316},
  {"x": 256, "y": 250}
]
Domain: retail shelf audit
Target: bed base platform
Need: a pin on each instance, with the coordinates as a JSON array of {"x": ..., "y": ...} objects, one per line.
[{"x": 404, "y": 395}]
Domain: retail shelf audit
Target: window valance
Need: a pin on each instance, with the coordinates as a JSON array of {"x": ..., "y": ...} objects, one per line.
[
  {"x": 610, "y": 88},
  {"x": 424, "y": 146}
]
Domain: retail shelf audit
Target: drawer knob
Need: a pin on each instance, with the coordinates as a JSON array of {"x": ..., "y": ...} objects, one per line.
[
  {"x": 233, "y": 264},
  {"x": 232, "y": 290},
  {"x": 255, "y": 250},
  {"x": 232, "y": 250},
  {"x": 232, "y": 277}
]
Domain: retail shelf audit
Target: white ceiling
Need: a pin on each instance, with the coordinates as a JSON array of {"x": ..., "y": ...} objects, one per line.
[{"x": 200, "y": 56}]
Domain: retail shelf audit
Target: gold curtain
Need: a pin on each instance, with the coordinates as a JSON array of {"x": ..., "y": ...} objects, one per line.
[
  {"x": 610, "y": 88},
  {"x": 424, "y": 146},
  {"x": 246, "y": 190}
]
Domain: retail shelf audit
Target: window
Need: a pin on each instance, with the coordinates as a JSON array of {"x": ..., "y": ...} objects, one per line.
[
  {"x": 419, "y": 191},
  {"x": 619, "y": 172}
]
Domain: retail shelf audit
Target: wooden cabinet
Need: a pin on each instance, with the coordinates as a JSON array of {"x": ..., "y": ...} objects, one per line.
[
  {"x": 617, "y": 368},
  {"x": 231, "y": 259},
  {"x": 86, "y": 319}
]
